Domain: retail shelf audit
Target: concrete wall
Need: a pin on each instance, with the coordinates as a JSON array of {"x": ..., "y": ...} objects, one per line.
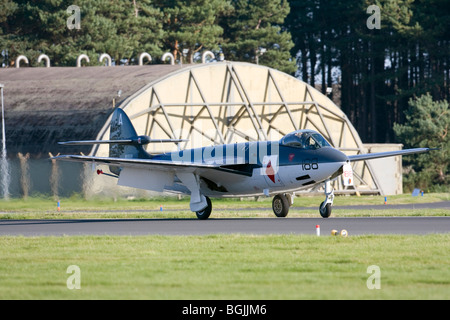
[{"x": 388, "y": 170}]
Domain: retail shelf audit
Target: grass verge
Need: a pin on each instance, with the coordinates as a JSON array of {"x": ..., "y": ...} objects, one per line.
[
  {"x": 226, "y": 267},
  {"x": 79, "y": 208}
]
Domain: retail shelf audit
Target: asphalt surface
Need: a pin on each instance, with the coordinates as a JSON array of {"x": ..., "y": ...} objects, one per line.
[{"x": 354, "y": 226}]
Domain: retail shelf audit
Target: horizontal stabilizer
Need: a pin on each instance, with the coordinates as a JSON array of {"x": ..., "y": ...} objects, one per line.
[
  {"x": 141, "y": 140},
  {"x": 167, "y": 140},
  {"x": 89, "y": 142}
]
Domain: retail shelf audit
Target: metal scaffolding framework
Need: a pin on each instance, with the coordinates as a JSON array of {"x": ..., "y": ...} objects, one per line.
[{"x": 229, "y": 102}]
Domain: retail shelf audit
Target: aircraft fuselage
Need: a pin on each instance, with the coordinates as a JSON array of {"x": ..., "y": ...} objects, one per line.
[{"x": 257, "y": 168}]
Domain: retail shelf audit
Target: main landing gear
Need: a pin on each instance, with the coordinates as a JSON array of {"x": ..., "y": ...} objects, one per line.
[
  {"x": 205, "y": 213},
  {"x": 325, "y": 207},
  {"x": 281, "y": 203}
]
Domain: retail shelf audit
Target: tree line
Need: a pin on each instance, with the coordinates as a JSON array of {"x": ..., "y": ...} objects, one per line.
[
  {"x": 376, "y": 60},
  {"x": 323, "y": 42},
  {"x": 124, "y": 29},
  {"x": 378, "y": 70}
]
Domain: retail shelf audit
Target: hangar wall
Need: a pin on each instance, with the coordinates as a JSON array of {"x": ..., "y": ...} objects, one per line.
[{"x": 46, "y": 105}]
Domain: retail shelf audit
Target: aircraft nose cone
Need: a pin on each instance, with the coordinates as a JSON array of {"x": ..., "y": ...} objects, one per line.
[
  {"x": 340, "y": 156},
  {"x": 334, "y": 155},
  {"x": 337, "y": 160}
]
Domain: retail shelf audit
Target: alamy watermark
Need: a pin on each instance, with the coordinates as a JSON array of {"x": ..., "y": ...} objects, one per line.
[
  {"x": 374, "y": 280},
  {"x": 374, "y": 21},
  {"x": 74, "y": 21},
  {"x": 74, "y": 280}
]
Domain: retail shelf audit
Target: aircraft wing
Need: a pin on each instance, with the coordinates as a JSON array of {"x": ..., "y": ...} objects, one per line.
[
  {"x": 156, "y": 175},
  {"x": 370, "y": 156},
  {"x": 149, "y": 164}
]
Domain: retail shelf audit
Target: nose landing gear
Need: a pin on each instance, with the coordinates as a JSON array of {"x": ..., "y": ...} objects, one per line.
[{"x": 325, "y": 207}]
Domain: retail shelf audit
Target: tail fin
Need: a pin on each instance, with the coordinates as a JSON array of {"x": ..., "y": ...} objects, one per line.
[
  {"x": 122, "y": 129},
  {"x": 123, "y": 140}
]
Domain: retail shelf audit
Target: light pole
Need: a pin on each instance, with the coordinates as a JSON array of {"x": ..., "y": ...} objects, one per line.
[
  {"x": 4, "y": 163},
  {"x": 3, "y": 121}
]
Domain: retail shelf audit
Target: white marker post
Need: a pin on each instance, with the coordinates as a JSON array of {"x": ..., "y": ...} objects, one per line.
[{"x": 318, "y": 230}]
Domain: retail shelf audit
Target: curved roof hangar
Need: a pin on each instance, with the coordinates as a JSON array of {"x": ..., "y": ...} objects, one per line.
[{"x": 231, "y": 102}]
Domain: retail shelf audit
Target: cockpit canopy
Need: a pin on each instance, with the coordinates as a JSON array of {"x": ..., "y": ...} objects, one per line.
[{"x": 305, "y": 139}]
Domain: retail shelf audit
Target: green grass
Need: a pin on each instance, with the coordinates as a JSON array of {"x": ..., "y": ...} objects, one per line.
[
  {"x": 220, "y": 266},
  {"x": 78, "y": 208},
  {"x": 226, "y": 267}
]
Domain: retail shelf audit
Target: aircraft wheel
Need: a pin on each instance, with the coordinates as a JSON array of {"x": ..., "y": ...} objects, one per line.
[
  {"x": 280, "y": 205},
  {"x": 205, "y": 213},
  {"x": 326, "y": 211}
]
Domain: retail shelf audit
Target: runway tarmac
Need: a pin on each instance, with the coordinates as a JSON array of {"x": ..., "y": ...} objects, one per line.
[{"x": 354, "y": 226}]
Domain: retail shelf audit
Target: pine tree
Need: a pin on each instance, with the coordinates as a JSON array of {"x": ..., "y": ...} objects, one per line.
[
  {"x": 123, "y": 29},
  {"x": 146, "y": 25},
  {"x": 427, "y": 125},
  {"x": 192, "y": 26},
  {"x": 254, "y": 33},
  {"x": 7, "y": 10},
  {"x": 112, "y": 27}
]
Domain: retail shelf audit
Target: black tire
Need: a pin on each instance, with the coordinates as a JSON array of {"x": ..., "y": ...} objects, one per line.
[
  {"x": 280, "y": 205},
  {"x": 326, "y": 212},
  {"x": 205, "y": 213}
]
